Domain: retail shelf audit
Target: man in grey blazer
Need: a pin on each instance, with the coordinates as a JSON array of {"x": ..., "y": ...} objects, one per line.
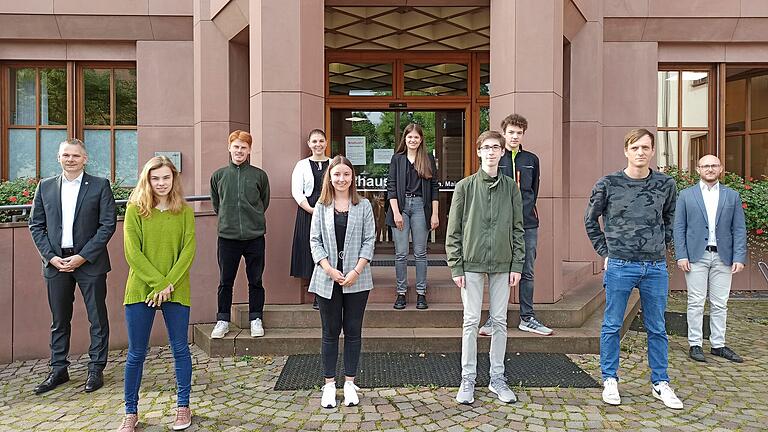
[
  {"x": 73, "y": 218},
  {"x": 710, "y": 246}
]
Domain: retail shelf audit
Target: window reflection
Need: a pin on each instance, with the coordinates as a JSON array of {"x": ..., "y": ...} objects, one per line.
[
  {"x": 666, "y": 149},
  {"x": 667, "y": 109}
]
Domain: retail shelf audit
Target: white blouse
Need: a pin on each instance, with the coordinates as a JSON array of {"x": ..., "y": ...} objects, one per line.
[{"x": 302, "y": 180}]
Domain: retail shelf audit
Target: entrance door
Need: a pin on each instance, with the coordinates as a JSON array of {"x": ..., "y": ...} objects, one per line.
[{"x": 369, "y": 138}]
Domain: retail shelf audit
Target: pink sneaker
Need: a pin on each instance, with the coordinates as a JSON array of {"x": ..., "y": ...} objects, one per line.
[
  {"x": 183, "y": 418},
  {"x": 129, "y": 423}
]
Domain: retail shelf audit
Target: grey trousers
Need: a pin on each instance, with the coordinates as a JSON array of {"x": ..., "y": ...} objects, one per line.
[
  {"x": 708, "y": 274},
  {"x": 472, "y": 298}
]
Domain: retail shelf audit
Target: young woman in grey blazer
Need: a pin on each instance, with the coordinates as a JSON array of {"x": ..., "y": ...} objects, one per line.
[{"x": 342, "y": 238}]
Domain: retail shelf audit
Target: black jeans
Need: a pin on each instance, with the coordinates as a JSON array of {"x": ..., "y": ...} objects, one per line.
[
  {"x": 526, "y": 281},
  {"x": 229, "y": 253},
  {"x": 342, "y": 310},
  {"x": 61, "y": 296}
]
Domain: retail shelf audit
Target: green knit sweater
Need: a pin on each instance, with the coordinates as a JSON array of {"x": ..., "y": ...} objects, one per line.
[{"x": 159, "y": 251}]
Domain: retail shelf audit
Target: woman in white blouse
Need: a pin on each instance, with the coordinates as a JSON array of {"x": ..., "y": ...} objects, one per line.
[{"x": 306, "y": 184}]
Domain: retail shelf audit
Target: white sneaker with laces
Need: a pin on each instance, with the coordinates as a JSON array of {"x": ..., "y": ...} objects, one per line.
[
  {"x": 329, "y": 395},
  {"x": 663, "y": 392},
  {"x": 220, "y": 329},
  {"x": 487, "y": 328},
  {"x": 611, "y": 392},
  {"x": 257, "y": 329},
  {"x": 350, "y": 394}
]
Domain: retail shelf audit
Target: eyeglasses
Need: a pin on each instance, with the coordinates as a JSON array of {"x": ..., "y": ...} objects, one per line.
[
  {"x": 494, "y": 148},
  {"x": 706, "y": 167}
]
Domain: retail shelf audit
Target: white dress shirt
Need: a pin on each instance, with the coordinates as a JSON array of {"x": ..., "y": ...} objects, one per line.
[
  {"x": 711, "y": 196},
  {"x": 69, "y": 191}
]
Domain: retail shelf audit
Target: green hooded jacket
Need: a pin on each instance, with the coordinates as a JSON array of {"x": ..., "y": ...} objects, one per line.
[{"x": 485, "y": 226}]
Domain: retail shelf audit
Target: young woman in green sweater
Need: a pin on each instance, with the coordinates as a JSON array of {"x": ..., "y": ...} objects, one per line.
[{"x": 159, "y": 236}]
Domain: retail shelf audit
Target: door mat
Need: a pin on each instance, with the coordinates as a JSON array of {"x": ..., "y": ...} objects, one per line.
[
  {"x": 411, "y": 263},
  {"x": 304, "y": 371}
]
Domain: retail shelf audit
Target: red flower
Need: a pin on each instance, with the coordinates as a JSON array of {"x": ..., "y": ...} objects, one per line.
[
  {"x": 747, "y": 187},
  {"x": 12, "y": 199},
  {"x": 759, "y": 231},
  {"x": 750, "y": 178},
  {"x": 744, "y": 205},
  {"x": 25, "y": 193}
]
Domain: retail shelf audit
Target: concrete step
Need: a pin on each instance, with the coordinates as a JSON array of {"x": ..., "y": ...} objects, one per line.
[
  {"x": 298, "y": 340},
  {"x": 569, "y": 312}
]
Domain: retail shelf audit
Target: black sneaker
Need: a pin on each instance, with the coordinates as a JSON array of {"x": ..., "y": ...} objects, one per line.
[
  {"x": 421, "y": 301},
  {"x": 697, "y": 354},
  {"x": 315, "y": 306},
  {"x": 400, "y": 302},
  {"x": 727, "y": 354}
]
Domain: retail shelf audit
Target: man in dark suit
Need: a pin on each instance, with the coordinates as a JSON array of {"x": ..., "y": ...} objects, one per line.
[
  {"x": 710, "y": 246},
  {"x": 73, "y": 218}
]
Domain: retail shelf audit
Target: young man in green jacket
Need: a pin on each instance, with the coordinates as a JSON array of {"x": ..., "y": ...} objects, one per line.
[
  {"x": 484, "y": 206},
  {"x": 240, "y": 196}
]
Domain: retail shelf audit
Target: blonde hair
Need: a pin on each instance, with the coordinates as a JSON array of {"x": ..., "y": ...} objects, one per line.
[
  {"x": 144, "y": 198},
  {"x": 327, "y": 194}
]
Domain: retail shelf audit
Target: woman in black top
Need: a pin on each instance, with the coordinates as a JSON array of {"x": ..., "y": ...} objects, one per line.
[
  {"x": 306, "y": 184},
  {"x": 412, "y": 193}
]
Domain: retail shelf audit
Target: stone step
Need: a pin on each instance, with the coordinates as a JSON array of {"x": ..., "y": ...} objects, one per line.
[
  {"x": 569, "y": 312},
  {"x": 287, "y": 341}
]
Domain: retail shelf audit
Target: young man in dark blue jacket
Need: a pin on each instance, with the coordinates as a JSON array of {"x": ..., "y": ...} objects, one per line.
[{"x": 523, "y": 166}]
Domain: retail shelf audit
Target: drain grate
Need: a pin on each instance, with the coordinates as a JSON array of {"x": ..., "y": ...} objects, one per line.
[
  {"x": 304, "y": 371},
  {"x": 411, "y": 263}
]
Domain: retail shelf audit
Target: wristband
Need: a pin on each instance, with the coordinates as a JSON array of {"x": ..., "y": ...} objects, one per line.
[{"x": 355, "y": 270}]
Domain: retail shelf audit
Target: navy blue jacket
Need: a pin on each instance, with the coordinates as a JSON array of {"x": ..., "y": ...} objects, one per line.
[{"x": 527, "y": 178}]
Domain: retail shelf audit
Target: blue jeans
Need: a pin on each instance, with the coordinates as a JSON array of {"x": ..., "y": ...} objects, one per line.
[
  {"x": 414, "y": 222},
  {"x": 139, "y": 318},
  {"x": 652, "y": 279}
]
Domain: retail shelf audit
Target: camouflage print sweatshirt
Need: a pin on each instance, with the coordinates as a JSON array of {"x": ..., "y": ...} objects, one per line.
[{"x": 637, "y": 216}]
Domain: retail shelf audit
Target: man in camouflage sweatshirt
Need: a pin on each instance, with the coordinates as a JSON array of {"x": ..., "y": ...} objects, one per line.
[{"x": 637, "y": 205}]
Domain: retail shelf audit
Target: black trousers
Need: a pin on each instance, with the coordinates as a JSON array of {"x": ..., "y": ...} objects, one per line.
[
  {"x": 342, "y": 311},
  {"x": 61, "y": 298},
  {"x": 229, "y": 253}
]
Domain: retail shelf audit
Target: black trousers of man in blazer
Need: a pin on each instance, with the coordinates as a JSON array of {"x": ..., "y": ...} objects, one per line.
[{"x": 93, "y": 226}]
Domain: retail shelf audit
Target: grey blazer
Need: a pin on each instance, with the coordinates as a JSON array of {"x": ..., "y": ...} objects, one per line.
[
  {"x": 691, "y": 226},
  {"x": 358, "y": 243}
]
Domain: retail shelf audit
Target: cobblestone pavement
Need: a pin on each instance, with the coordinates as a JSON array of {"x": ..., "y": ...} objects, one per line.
[{"x": 235, "y": 394}]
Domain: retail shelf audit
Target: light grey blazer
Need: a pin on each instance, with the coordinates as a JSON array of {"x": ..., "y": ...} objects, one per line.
[{"x": 358, "y": 243}]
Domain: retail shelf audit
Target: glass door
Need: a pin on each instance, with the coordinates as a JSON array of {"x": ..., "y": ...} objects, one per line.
[{"x": 369, "y": 138}]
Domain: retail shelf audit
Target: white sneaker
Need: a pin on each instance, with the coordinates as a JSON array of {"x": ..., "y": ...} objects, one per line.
[
  {"x": 256, "y": 328},
  {"x": 663, "y": 392},
  {"x": 221, "y": 329},
  {"x": 611, "y": 392},
  {"x": 350, "y": 394},
  {"x": 329, "y": 395},
  {"x": 486, "y": 329}
]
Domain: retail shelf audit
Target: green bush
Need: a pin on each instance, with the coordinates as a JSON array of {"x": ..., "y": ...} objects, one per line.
[
  {"x": 754, "y": 195},
  {"x": 22, "y": 191}
]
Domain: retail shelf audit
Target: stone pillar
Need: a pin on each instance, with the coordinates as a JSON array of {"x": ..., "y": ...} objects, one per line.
[
  {"x": 584, "y": 146},
  {"x": 287, "y": 76},
  {"x": 527, "y": 74}
]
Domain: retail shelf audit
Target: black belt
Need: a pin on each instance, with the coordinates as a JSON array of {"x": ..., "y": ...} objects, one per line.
[
  {"x": 67, "y": 252},
  {"x": 711, "y": 248}
]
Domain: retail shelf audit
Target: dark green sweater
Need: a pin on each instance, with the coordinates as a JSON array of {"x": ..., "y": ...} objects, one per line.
[{"x": 240, "y": 196}]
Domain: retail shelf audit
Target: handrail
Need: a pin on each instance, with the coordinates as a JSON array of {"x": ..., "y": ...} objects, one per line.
[{"x": 119, "y": 203}]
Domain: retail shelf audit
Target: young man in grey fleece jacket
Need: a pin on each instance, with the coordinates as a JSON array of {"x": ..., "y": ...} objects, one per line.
[{"x": 638, "y": 207}]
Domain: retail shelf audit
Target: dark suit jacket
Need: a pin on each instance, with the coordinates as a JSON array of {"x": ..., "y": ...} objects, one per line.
[
  {"x": 396, "y": 183},
  {"x": 692, "y": 226},
  {"x": 94, "y": 224}
]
